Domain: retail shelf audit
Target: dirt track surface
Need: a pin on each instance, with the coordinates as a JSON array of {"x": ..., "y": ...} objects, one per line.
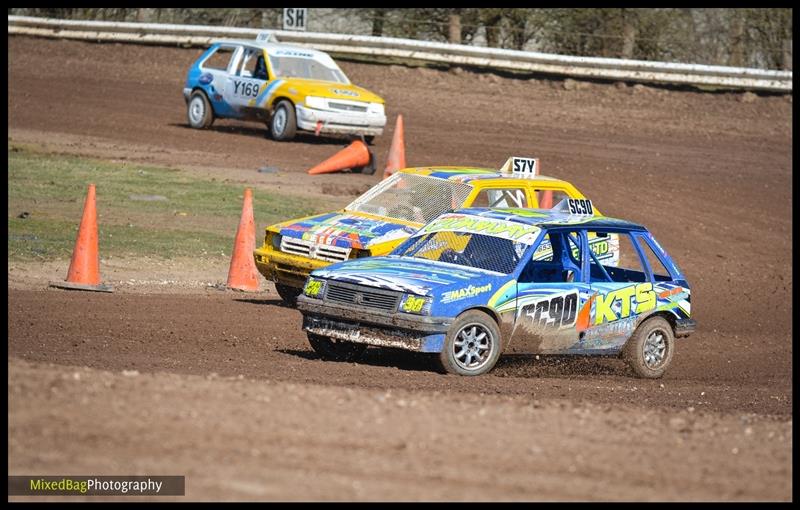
[
  {"x": 243, "y": 438},
  {"x": 709, "y": 174},
  {"x": 238, "y": 334}
]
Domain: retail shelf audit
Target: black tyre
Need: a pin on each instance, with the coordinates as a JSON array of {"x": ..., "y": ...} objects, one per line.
[
  {"x": 649, "y": 350},
  {"x": 287, "y": 293},
  {"x": 283, "y": 123},
  {"x": 472, "y": 344},
  {"x": 335, "y": 350},
  {"x": 199, "y": 112},
  {"x": 369, "y": 169}
]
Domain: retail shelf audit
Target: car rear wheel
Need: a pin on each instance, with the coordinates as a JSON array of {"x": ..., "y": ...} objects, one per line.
[
  {"x": 287, "y": 293},
  {"x": 283, "y": 123},
  {"x": 335, "y": 350},
  {"x": 649, "y": 350},
  {"x": 199, "y": 111},
  {"x": 472, "y": 344}
]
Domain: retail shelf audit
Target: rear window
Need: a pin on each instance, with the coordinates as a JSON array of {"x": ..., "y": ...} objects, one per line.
[
  {"x": 660, "y": 272},
  {"x": 220, "y": 59}
]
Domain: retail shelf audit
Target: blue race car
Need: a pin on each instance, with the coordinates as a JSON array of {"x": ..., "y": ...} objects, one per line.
[{"x": 475, "y": 283}]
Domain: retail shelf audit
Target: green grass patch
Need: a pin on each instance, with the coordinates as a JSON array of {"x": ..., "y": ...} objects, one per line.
[
  {"x": 142, "y": 210},
  {"x": 38, "y": 239}
]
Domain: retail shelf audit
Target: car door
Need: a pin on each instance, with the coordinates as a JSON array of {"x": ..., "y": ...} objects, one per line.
[
  {"x": 243, "y": 86},
  {"x": 552, "y": 292},
  {"x": 622, "y": 290},
  {"x": 215, "y": 75}
]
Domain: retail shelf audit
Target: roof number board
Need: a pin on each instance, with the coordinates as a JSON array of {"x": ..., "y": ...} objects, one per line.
[
  {"x": 582, "y": 206},
  {"x": 528, "y": 166}
]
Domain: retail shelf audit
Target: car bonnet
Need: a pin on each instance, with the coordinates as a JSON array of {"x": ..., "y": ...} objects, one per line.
[
  {"x": 332, "y": 90},
  {"x": 404, "y": 274},
  {"x": 346, "y": 229}
]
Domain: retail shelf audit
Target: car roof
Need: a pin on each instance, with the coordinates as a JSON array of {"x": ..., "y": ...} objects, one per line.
[
  {"x": 547, "y": 218},
  {"x": 275, "y": 47},
  {"x": 467, "y": 174},
  {"x": 269, "y": 46}
]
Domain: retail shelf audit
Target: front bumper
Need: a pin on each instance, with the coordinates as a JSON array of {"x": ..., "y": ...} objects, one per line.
[
  {"x": 370, "y": 124},
  {"x": 356, "y": 324},
  {"x": 285, "y": 268},
  {"x": 187, "y": 92}
]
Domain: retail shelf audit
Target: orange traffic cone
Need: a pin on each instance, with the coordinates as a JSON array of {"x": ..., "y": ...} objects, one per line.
[
  {"x": 243, "y": 274},
  {"x": 546, "y": 196},
  {"x": 84, "y": 268},
  {"x": 546, "y": 201},
  {"x": 356, "y": 156},
  {"x": 397, "y": 151}
]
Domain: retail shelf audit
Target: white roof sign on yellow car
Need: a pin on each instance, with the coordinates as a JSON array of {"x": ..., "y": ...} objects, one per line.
[{"x": 521, "y": 167}]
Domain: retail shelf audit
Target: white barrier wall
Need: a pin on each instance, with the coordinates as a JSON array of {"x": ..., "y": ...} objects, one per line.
[{"x": 359, "y": 45}]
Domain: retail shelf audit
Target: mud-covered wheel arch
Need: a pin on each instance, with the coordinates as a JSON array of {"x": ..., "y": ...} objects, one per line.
[
  {"x": 670, "y": 318},
  {"x": 649, "y": 351}
]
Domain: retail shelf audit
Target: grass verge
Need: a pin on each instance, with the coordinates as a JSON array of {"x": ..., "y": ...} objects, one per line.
[{"x": 142, "y": 210}]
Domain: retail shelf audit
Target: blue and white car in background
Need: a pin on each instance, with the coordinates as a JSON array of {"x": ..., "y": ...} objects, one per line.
[
  {"x": 475, "y": 283},
  {"x": 288, "y": 87}
]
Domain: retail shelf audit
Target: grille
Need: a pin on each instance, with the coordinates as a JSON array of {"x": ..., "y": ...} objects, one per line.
[
  {"x": 346, "y": 107},
  {"x": 366, "y": 297},
  {"x": 313, "y": 250}
]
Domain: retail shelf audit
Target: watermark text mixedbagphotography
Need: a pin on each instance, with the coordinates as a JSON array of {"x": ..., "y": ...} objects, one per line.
[{"x": 96, "y": 485}]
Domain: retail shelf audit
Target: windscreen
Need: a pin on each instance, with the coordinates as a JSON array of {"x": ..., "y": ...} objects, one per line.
[
  {"x": 478, "y": 251},
  {"x": 410, "y": 197},
  {"x": 301, "y": 67}
]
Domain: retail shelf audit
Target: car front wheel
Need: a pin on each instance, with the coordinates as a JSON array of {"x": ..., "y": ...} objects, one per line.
[
  {"x": 335, "y": 350},
  {"x": 472, "y": 344},
  {"x": 283, "y": 123},
  {"x": 199, "y": 111},
  {"x": 287, "y": 293},
  {"x": 649, "y": 350}
]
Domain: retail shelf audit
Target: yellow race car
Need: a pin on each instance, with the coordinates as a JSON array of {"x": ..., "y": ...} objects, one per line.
[
  {"x": 290, "y": 88},
  {"x": 394, "y": 209}
]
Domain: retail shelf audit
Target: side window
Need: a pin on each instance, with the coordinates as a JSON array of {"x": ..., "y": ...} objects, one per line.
[
  {"x": 546, "y": 265},
  {"x": 219, "y": 60},
  {"x": 547, "y": 199},
  {"x": 574, "y": 253},
  {"x": 660, "y": 273},
  {"x": 544, "y": 252},
  {"x": 253, "y": 65},
  {"x": 501, "y": 198},
  {"x": 629, "y": 267}
]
